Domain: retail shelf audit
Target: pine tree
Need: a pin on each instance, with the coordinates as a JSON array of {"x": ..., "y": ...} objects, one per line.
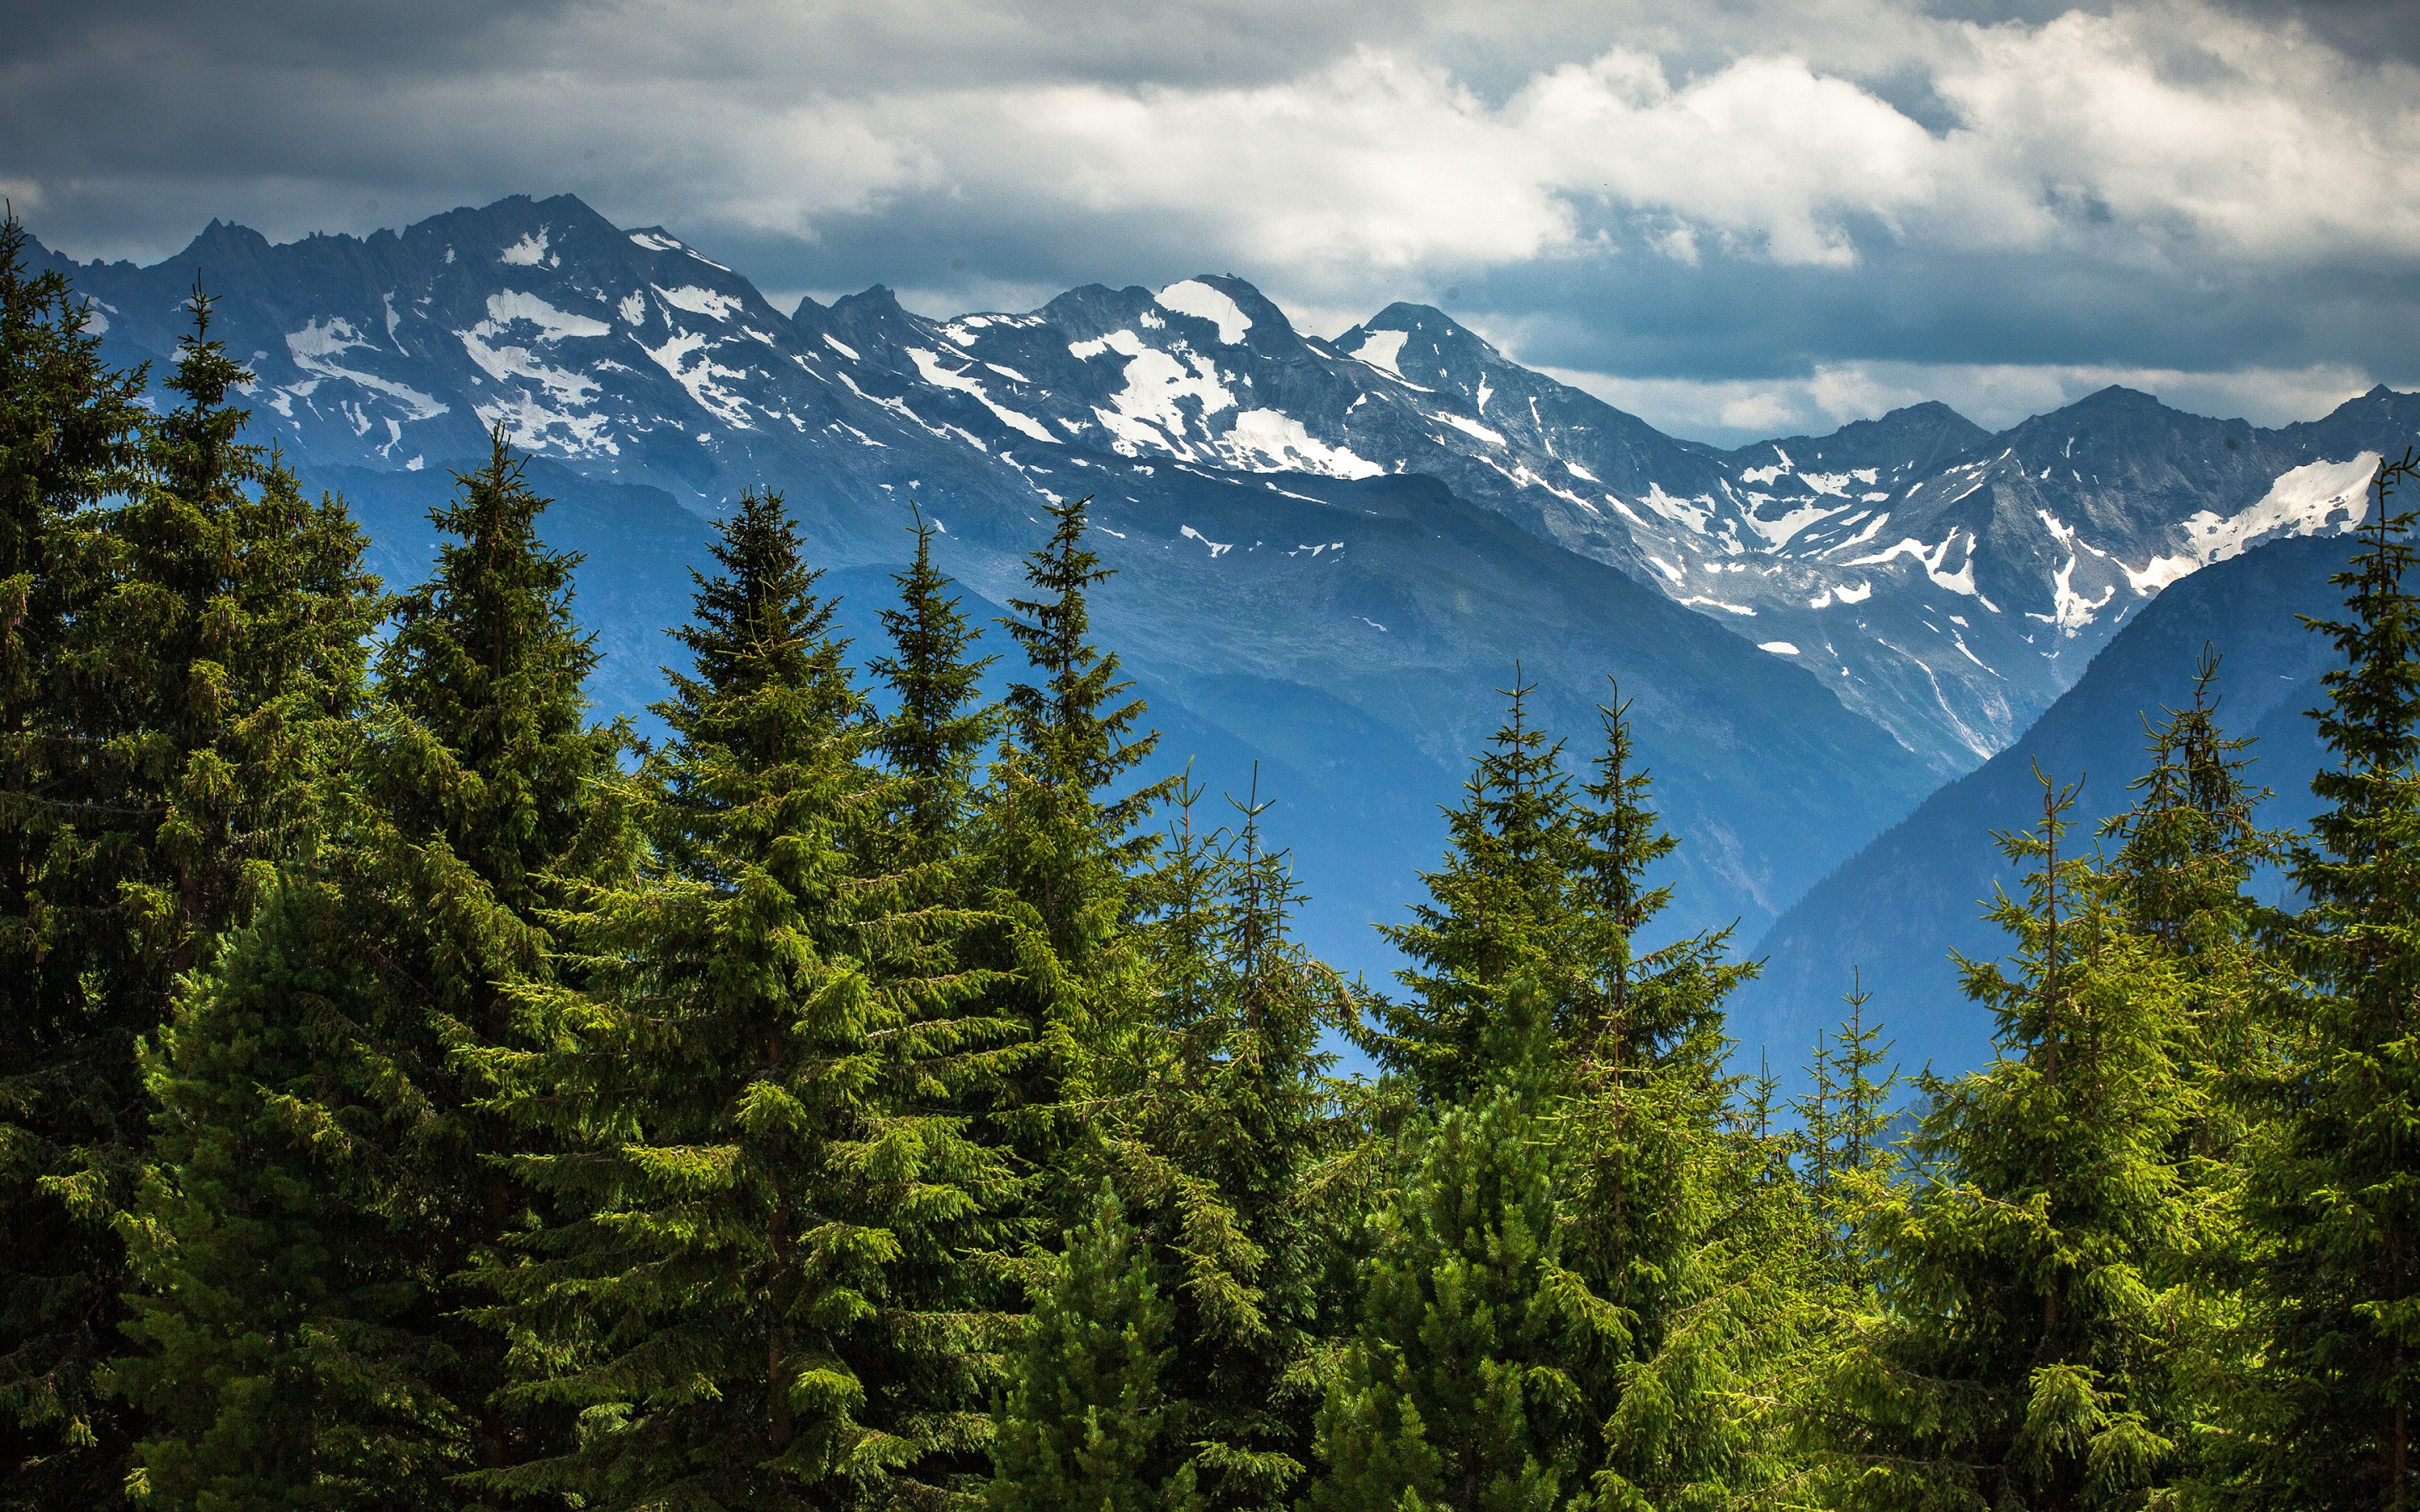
[
  {"x": 1088, "y": 1425},
  {"x": 68, "y": 431},
  {"x": 473, "y": 795},
  {"x": 1843, "y": 1162},
  {"x": 1627, "y": 1005},
  {"x": 286, "y": 1358},
  {"x": 935, "y": 740},
  {"x": 2023, "y": 1357},
  {"x": 1464, "y": 1386},
  {"x": 743, "y": 1169},
  {"x": 1498, "y": 909},
  {"x": 2332, "y": 1200}
]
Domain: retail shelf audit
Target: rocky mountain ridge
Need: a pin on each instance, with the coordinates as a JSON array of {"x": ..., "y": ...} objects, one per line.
[{"x": 1946, "y": 582}]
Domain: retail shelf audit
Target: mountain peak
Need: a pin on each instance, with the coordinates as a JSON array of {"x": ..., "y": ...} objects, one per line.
[{"x": 1244, "y": 317}]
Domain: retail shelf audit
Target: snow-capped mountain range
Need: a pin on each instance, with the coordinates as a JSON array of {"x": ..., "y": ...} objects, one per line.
[{"x": 1945, "y": 582}]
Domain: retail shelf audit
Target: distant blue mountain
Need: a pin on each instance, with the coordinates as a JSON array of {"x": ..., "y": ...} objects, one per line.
[
  {"x": 1893, "y": 911},
  {"x": 1330, "y": 553}
]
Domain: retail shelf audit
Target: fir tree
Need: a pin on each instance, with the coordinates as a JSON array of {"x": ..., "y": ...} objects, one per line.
[
  {"x": 2021, "y": 1357},
  {"x": 288, "y": 1360},
  {"x": 69, "y": 1111},
  {"x": 935, "y": 740},
  {"x": 196, "y": 686},
  {"x": 745, "y": 1171},
  {"x": 1843, "y": 1162},
  {"x": 1629, "y": 1005},
  {"x": 1088, "y": 1425},
  {"x": 2332, "y": 1199},
  {"x": 1061, "y": 843}
]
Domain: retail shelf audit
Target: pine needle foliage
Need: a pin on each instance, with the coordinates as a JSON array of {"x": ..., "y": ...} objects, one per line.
[
  {"x": 474, "y": 794},
  {"x": 1089, "y": 1422},
  {"x": 68, "y": 1112},
  {"x": 1217, "y": 1115},
  {"x": 1061, "y": 847},
  {"x": 2332, "y": 1196},
  {"x": 1498, "y": 908},
  {"x": 2023, "y": 1356},
  {"x": 1464, "y": 1385},
  {"x": 212, "y": 670},
  {"x": 733, "y": 1106}
]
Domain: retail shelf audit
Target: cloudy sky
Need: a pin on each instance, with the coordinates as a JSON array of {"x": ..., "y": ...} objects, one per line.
[{"x": 1734, "y": 217}]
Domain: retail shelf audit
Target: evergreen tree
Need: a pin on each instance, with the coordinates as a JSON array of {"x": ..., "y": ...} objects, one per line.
[
  {"x": 1843, "y": 1161},
  {"x": 69, "y": 1124},
  {"x": 1499, "y": 907},
  {"x": 935, "y": 739},
  {"x": 1218, "y": 1114},
  {"x": 1464, "y": 1385},
  {"x": 207, "y": 656},
  {"x": 1088, "y": 1425},
  {"x": 1062, "y": 845},
  {"x": 2023, "y": 1357},
  {"x": 742, "y": 1164},
  {"x": 474, "y": 794},
  {"x": 288, "y": 1359},
  {"x": 1629, "y": 1005},
  {"x": 2332, "y": 1199}
]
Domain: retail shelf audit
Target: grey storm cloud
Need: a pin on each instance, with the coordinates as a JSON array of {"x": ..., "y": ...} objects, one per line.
[{"x": 1726, "y": 215}]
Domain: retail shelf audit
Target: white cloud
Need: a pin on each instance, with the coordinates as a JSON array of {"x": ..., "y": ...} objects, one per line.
[{"x": 1341, "y": 155}]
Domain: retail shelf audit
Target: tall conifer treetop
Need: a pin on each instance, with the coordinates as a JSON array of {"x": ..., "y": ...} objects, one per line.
[
  {"x": 69, "y": 432},
  {"x": 2332, "y": 1191}
]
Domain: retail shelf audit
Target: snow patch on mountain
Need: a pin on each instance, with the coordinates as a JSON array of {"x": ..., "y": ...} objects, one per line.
[
  {"x": 1380, "y": 349},
  {"x": 529, "y": 250},
  {"x": 2303, "y": 500},
  {"x": 1933, "y": 559},
  {"x": 313, "y": 349},
  {"x": 705, "y": 302},
  {"x": 511, "y": 307},
  {"x": 1194, "y": 298},
  {"x": 1264, "y": 440},
  {"x": 1472, "y": 427},
  {"x": 687, "y": 356},
  {"x": 1146, "y": 414},
  {"x": 928, "y": 366}
]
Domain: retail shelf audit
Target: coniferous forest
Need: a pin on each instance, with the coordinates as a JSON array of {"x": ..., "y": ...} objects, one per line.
[{"x": 416, "y": 1093}]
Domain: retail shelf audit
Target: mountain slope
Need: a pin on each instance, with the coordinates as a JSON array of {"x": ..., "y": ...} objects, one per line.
[
  {"x": 1895, "y": 911},
  {"x": 1946, "y": 583}
]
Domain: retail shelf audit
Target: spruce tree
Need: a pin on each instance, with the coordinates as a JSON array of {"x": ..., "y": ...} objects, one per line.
[
  {"x": 742, "y": 1158},
  {"x": 934, "y": 740},
  {"x": 2023, "y": 1357},
  {"x": 1217, "y": 1115},
  {"x": 1061, "y": 844},
  {"x": 1629, "y": 1005},
  {"x": 1087, "y": 1424},
  {"x": 1499, "y": 908},
  {"x": 473, "y": 795},
  {"x": 184, "y": 724},
  {"x": 2332, "y": 1200},
  {"x": 68, "y": 432},
  {"x": 288, "y": 1358}
]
